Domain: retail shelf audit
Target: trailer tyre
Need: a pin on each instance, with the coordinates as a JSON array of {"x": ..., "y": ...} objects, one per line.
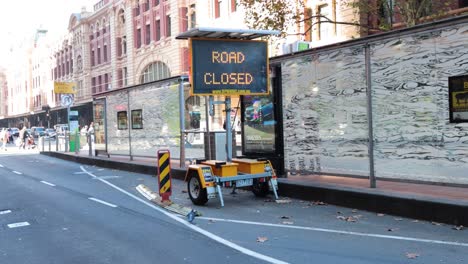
[
  {"x": 260, "y": 189},
  {"x": 197, "y": 194}
]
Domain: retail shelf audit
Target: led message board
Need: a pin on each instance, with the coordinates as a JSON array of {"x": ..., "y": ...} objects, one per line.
[{"x": 229, "y": 67}]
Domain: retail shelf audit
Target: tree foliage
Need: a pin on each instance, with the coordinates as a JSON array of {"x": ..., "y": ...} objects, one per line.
[
  {"x": 272, "y": 14},
  {"x": 411, "y": 12},
  {"x": 284, "y": 15}
]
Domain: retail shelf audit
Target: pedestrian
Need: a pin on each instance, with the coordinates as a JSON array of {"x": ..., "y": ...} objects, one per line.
[
  {"x": 84, "y": 130},
  {"x": 91, "y": 132},
  {"x": 10, "y": 136},
  {"x": 4, "y": 138},
  {"x": 23, "y": 136}
]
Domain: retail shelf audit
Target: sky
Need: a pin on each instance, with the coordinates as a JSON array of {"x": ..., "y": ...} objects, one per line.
[{"x": 20, "y": 19}]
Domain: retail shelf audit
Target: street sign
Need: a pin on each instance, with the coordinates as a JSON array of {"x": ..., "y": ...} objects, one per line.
[
  {"x": 66, "y": 100},
  {"x": 229, "y": 67},
  {"x": 64, "y": 87}
]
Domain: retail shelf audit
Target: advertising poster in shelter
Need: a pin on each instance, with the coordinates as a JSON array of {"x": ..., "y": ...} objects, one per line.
[
  {"x": 458, "y": 99},
  {"x": 259, "y": 124}
]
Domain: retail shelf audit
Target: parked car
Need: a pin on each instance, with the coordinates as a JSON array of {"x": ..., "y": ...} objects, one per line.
[
  {"x": 37, "y": 131},
  {"x": 14, "y": 131},
  {"x": 50, "y": 132},
  {"x": 61, "y": 129}
]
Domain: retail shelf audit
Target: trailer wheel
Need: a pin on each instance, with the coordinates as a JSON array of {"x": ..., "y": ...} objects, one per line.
[
  {"x": 197, "y": 194},
  {"x": 260, "y": 189}
]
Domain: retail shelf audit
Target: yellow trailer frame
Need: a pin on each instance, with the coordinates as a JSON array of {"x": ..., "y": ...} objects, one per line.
[{"x": 205, "y": 179}]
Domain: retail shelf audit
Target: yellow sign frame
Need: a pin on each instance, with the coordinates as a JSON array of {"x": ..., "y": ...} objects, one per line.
[{"x": 65, "y": 88}]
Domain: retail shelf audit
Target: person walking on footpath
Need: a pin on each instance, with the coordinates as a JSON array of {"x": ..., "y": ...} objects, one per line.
[
  {"x": 91, "y": 136},
  {"x": 21, "y": 137},
  {"x": 4, "y": 138}
]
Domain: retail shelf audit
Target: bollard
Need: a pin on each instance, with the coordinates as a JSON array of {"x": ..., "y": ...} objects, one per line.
[
  {"x": 164, "y": 174},
  {"x": 77, "y": 142},
  {"x": 90, "y": 145}
]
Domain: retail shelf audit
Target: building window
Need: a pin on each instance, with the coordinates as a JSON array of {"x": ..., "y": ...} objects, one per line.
[
  {"x": 148, "y": 34},
  {"x": 93, "y": 85},
  {"x": 105, "y": 53},
  {"x": 137, "y": 9},
  {"x": 125, "y": 76},
  {"x": 79, "y": 63},
  {"x": 233, "y": 5},
  {"x": 146, "y": 5},
  {"x": 168, "y": 26},
  {"x": 155, "y": 71},
  {"x": 158, "y": 30},
  {"x": 98, "y": 55},
  {"x": 308, "y": 24},
  {"x": 71, "y": 66},
  {"x": 137, "y": 119},
  {"x": 106, "y": 82},
  {"x": 138, "y": 40},
  {"x": 122, "y": 120},
  {"x": 100, "y": 83},
  {"x": 193, "y": 16},
  {"x": 324, "y": 27},
  {"x": 217, "y": 10},
  {"x": 104, "y": 30},
  {"x": 124, "y": 45},
  {"x": 156, "y": 2},
  {"x": 92, "y": 58}
]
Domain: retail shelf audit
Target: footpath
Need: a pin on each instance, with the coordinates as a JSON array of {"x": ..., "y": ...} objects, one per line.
[{"x": 436, "y": 203}]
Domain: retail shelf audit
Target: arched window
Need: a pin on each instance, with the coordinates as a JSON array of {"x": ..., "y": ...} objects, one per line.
[{"x": 155, "y": 71}]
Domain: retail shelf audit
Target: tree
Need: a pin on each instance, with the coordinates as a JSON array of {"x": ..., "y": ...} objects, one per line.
[
  {"x": 284, "y": 15},
  {"x": 410, "y": 12},
  {"x": 272, "y": 14}
]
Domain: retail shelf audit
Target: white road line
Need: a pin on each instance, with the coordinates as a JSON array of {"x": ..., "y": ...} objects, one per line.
[
  {"x": 20, "y": 224},
  {"x": 5, "y": 212},
  {"x": 337, "y": 231},
  {"x": 193, "y": 227},
  {"x": 102, "y": 202},
  {"x": 107, "y": 177},
  {"x": 48, "y": 183},
  {"x": 17, "y": 172}
]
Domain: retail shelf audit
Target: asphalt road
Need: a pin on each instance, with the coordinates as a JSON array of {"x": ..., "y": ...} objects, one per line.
[{"x": 54, "y": 211}]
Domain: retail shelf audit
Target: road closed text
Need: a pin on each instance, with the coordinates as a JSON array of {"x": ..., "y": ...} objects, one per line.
[{"x": 229, "y": 67}]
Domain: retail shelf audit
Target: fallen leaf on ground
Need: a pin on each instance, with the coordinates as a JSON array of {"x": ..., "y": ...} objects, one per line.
[
  {"x": 283, "y": 201},
  {"x": 354, "y": 210},
  {"x": 392, "y": 229},
  {"x": 347, "y": 219},
  {"x": 380, "y": 214},
  {"x": 319, "y": 203},
  {"x": 288, "y": 223},
  {"x": 415, "y": 221},
  {"x": 357, "y": 216},
  {"x": 262, "y": 239},
  {"x": 412, "y": 255},
  {"x": 435, "y": 223},
  {"x": 458, "y": 227},
  {"x": 284, "y": 217},
  {"x": 398, "y": 219}
]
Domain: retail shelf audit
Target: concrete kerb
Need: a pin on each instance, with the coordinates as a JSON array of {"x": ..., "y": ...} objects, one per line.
[
  {"x": 112, "y": 164},
  {"x": 420, "y": 207},
  {"x": 424, "y": 208}
]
